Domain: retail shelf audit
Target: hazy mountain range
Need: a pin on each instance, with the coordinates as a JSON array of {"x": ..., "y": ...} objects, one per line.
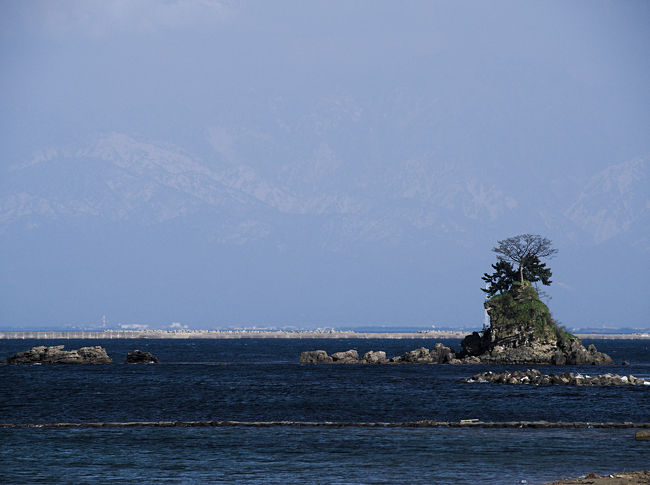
[
  {"x": 330, "y": 220},
  {"x": 119, "y": 178}
]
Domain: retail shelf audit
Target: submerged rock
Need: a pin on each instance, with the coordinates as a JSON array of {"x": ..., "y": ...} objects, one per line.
[
  {"x": 141, "y": 357},
  {"x": 56, "y": 355},
  {"x": 535, "y": 377}
]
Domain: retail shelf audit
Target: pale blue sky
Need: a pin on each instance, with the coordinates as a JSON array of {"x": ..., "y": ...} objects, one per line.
[{"x": 352, "y": 162}]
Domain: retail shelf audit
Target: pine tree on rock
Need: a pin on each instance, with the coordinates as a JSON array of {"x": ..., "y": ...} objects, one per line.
[{"x": 523, "y": 249}]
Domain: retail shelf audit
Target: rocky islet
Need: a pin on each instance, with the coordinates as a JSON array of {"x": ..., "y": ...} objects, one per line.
[
  {"x": 85, "y": 355},
  {"x": 56, "y": 355},
  {"x": 521, "y": 332},
  {"x": 440, "y": 354},
  {"x": 141, "y": 357}
]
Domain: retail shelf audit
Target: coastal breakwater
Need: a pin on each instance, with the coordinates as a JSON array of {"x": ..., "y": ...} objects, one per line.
[{"x": 536, "y": 378}]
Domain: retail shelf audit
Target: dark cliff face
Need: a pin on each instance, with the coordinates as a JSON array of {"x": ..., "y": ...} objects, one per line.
[{"x": 522, "y": 331}]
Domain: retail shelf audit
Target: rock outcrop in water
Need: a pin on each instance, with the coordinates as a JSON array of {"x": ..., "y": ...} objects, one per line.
[
  {"x": 56, "y": 355},
  {"x": 522, "y": 331},
  {"x": 375, "y": 357},
  {"x": 141, "y": 357},
  {"x": 347, "y": 357},
  {"x": 438, "y": 355},
  {"x": 535, "y": 377},
  {"x": 315, "y": 357}
]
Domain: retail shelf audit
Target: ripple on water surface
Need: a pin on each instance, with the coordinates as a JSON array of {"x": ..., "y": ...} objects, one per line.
[{"x": 302, "y": 455}]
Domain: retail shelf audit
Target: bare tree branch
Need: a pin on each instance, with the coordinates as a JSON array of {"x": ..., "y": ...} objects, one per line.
[{"x": 524, "y": 247}]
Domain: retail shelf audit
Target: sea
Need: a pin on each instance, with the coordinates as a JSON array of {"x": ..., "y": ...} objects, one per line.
[{"x": 261, "y": 380}]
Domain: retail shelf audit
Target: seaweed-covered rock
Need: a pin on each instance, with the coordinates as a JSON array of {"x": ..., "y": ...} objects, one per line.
[
  {"x": 56, "y": 355},
  {"x": 141, "y": 357}
]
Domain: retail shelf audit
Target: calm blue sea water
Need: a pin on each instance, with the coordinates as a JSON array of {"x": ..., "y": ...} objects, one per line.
[{"x": 261, "y": 380}]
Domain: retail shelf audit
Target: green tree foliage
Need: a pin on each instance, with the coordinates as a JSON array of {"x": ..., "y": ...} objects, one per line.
[
  {"x": 535, "y": 270},
  {"x": 525, "y": 250},
  {"x": 501, "y": 280}
]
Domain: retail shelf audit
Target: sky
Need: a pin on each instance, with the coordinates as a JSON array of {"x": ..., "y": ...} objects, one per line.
[{"x": 339, "y": 163}]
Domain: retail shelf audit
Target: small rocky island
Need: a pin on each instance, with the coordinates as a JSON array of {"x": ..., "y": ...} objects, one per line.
[
  {"x": 535, "y": 377},
  {"x": 521, "y": 332},
  {"x": 141, "y": 357},
  {"x": 56, "y": 355},
  {"x": 521, "y": 329}
]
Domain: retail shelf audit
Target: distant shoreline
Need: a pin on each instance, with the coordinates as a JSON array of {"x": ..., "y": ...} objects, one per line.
[
  {"x": 280, "y": 334},
  {"x": 613, "y": 336},
  {"x": 231, "y": 334}
]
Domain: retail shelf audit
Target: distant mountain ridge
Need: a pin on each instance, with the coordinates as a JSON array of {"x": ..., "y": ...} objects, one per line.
[
  {"x": 119, "y": 177},
  {"x": 152, "y": 232},
  {"x": 615, "y": 201}
]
